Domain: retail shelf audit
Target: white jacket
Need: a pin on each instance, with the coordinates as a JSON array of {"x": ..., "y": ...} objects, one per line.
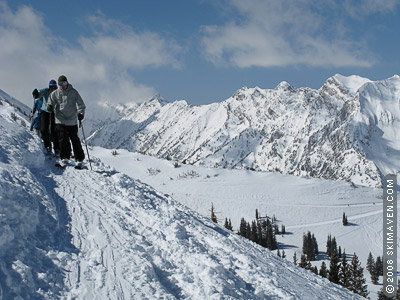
[{"x": 67, "y": 105}]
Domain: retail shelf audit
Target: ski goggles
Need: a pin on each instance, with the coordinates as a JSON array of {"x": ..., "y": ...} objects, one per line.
[
  {"x": 53, "y": 87},
  {"x": 63, "y": 83}
]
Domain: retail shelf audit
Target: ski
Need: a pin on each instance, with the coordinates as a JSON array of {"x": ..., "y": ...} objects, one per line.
[{"x": 77, "y": 166}]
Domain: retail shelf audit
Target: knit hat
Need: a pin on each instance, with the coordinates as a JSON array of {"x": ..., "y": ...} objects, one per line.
[
  {"x": 35, "y": 94},
  {"x": 62, "y": 78}
]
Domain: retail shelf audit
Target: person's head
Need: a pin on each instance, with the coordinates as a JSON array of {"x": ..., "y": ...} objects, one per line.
[
  {"x": 35, "y": 94},
  {"x": 63, "y": 82},
  {"x": 52, "y": 85}
]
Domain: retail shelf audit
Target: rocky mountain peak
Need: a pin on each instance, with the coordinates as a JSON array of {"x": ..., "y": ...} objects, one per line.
[{"x": 334, "y": 132}]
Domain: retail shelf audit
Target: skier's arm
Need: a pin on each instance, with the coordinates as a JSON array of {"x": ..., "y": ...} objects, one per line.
[
  {"x": 50, "y": 102},
  {"x": 80, "y": 103}
]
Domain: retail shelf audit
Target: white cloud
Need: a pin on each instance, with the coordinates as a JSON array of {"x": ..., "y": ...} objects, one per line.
[
  {"x": 281, "y": 33},
  {"x": 98, "y": 66},
  {"x": 363, "y": 8}
]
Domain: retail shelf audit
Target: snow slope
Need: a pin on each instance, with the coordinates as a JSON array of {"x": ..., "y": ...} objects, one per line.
[
  {"x": 100, "y": 234},
  {"x": 301, "y": 204}
]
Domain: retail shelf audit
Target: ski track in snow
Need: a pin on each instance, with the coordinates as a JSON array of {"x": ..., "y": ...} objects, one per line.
[
  {"x": 128, "y": 249},
  {"x": 354, "y": 217}
]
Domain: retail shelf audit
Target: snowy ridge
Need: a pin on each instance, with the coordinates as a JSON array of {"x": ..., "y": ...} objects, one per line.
[
  {"x": 101, "y": 235},
  {"x": 301, "y": 131}
]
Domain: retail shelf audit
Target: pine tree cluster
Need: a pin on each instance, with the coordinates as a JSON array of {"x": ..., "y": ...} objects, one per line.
[
  {"x": 228, "y": 224},
  {"x": 310, "y": 246},
  {"x": 347, "y": 274},
  {"x": 262, "y": 231},
  {"x": 350, "y": 275},
  {"x": 375, "y": 268}
]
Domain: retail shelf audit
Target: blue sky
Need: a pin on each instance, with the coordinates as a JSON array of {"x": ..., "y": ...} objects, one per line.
[{"x": 198, "y": 50}]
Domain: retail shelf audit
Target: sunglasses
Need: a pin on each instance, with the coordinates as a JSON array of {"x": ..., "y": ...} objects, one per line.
[{"x": 63, "y": 83}]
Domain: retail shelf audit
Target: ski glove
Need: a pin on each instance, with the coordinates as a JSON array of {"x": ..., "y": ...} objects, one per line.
[{"x": 80, "y": 117}]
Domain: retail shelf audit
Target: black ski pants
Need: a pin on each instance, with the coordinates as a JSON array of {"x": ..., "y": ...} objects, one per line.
[
  {"x": 48, "y": 130},
  {"x": 66, "y": 136}
]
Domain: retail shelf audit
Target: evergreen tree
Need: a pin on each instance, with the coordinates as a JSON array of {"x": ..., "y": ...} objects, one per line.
[
  {"x": 295, "y": 258},
  {"x": 304, "y": 262},
  {"x": 314, "y": 270},
  {"x": 329, "y": 245},
  {"x": 271, "y": 239},
  {"x": 323, "y": 272},
  {"x": 370, "y": 263},
  {"x": 278, "y": 253},
  {"x": 357, "y": 282},
  {"x": 310, "y": 246},
  {"x": 283, "y": 254},
  {"x": 257, "y": 214},
  {"x": 243, "y": 227},
  {"x": 334, "y": 247},
  {"x": 228, "y": 224},
  {"x": 276, "y": 229},
  {"x": 340, "y": 252},
  {"x": 344, "y": 220},
  {"x": 374, "y": 275},
  {"x": 248, "y": 231},
  {"x": 213, "y": 216},
  {"x": 262, "y": 228},
  {"x": 333, "y": 274},
  {"x": 253, "y": 234},
  {"x": 283, "y": 229},
  {"x": 344, "y": 272},
  {"x": 314, "y": 244},
  {"x": 379, "y": 266},
  {"x": 305, "y": 244}
]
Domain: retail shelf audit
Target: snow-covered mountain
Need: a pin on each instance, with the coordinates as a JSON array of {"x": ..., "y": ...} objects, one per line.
[
  {"x": 346, "y": 130},
  {"x": 99, "y": 234}
]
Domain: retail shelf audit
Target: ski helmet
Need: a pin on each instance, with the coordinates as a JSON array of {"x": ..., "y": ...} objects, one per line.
[{"x": 53, "y": 84}]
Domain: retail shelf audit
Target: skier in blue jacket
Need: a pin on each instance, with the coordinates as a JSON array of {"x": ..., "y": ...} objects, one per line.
[
  {"x": 37, "y": 107},
  {"x": 47, "y": 120}
]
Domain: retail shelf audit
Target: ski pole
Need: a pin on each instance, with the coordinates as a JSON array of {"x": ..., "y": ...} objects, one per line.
[{"x": 84, "y": 138}]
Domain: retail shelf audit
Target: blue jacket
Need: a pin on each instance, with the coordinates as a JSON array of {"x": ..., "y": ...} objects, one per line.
[
  {"x": 44, "y": 93},
  {"x": 37, "y": 106}
]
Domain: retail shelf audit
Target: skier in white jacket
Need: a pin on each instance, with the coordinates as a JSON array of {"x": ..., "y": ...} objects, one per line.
[{"x": 67, "y": 105}]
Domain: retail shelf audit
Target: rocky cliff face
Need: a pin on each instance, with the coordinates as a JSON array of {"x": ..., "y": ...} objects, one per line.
[{"x": 335, "y": 132}]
